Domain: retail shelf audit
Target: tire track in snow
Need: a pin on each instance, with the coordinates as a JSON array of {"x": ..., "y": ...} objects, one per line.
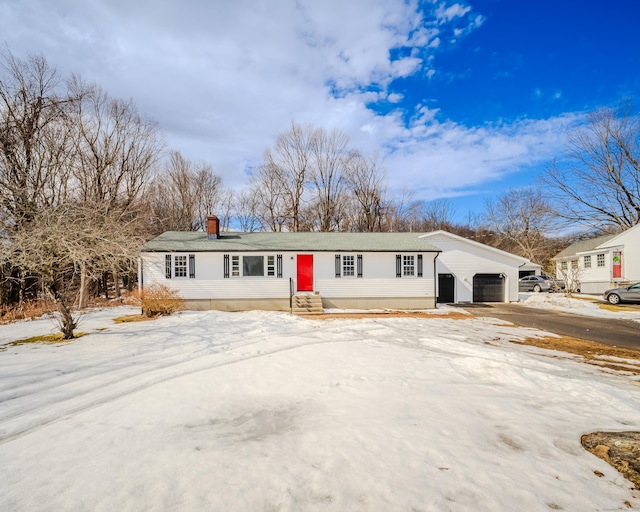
[{"x": 59, "y": 411}]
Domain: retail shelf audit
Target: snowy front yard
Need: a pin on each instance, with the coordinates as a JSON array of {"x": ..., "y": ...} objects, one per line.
[{"x": 211, "y": 411}]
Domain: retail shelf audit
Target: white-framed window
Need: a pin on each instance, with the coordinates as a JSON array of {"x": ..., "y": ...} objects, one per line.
[
  {"x": 587, "y": 261},
  {"x": 600, "y": 260},
  {"x": 408, "y": 265},
  {"x": 235, "y": 266},
  {"x": 253, "y": 266},
  {"x": 563, "y": 265},
  {"x": 180, "y": 266},
  {"x": 348, "y": 265}
]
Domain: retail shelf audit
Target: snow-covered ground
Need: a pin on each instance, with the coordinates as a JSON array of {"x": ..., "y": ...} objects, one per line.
[
  {"x": 257, "y": 411},
  {"x": 586, "y": 305}
]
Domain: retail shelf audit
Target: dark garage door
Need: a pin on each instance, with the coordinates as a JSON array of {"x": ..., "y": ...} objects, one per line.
[
  {"x": 446, "y": 288},
  {"x": 488, "y": 288}
]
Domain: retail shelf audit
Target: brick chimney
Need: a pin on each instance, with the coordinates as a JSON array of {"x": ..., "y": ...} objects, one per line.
[{"x": 213, "y": 227}]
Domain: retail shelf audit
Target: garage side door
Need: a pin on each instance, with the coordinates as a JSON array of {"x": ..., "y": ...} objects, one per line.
[
  {"x": 488, "y": 288},
  {"x": 446, "y": 288}
]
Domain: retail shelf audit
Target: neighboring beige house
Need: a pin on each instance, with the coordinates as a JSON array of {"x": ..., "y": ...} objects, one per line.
[{"x": 593, "y": 266}]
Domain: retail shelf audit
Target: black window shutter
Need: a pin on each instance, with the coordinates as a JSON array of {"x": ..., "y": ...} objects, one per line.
[
  {"x": 226, "y": 266},
  {"x": 398, "y": 265},
  {"x": 419, "y": 265},
  {"x": 359, "y": 260},
  {"x": 167, "y": 266},
  {"x": 279, "y": 264},
  {"x": 338, "y": 272},
  {"x": 192, "y": 266}
]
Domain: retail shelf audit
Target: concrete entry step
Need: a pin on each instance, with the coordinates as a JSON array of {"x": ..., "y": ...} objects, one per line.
[{"x": 307, "y": 304}]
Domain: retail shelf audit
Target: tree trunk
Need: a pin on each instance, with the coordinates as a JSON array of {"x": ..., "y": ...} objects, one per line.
[
  {"x": 116, "y": 282},
  {"x": 67, "y": 323},
  {"x": 105, "y": 284},
  {"x": 82, "y": 299}
]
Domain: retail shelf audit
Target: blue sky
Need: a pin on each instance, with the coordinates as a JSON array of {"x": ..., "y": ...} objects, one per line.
[{"x": 463, "y": 99}]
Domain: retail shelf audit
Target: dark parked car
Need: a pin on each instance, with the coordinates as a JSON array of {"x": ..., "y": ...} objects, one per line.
[
  {"x": 623, "y": 294},
  {"x": 539, "y": 283}
]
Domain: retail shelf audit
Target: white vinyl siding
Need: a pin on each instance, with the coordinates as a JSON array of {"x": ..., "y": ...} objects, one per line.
[
  {"x": 464, "y": 259},
  {"x": 378, "y": 280}
]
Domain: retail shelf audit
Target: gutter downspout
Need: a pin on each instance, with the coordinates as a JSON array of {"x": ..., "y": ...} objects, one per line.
[
  {"x": 140, "y": 283},
  {"x": 435, "y": 280}
]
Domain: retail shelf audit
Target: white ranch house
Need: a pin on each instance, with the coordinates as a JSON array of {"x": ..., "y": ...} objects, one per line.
[
  {"x": 277, "y": 271},
  {"x": 595, "y": 265}
]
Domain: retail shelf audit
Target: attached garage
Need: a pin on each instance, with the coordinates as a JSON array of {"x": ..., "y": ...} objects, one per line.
[
  {"x": 468, "y": 271},
  {"x": 488, "y": 288}
]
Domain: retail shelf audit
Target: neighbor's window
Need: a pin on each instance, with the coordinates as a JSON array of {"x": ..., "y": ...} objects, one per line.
[
  {"x": 235, "y": 266},
  {"x": 348, "y": 266},
  {"x": 587, "y": 262},
  {"x": 180, "y": 266},
  {"x": 563, "y": 265},
  {"x": 600, "y": 260},
  {"x": 253, "y": 266},
  {"x": 408, "y": 265}
]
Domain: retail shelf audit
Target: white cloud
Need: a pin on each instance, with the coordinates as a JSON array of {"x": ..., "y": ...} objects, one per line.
[
  {"x": 446, "y": 14},
  {"x": 224, "y": 78}
]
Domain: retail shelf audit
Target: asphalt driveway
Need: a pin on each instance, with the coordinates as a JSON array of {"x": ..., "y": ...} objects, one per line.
[{"x": 614, "y": 332}]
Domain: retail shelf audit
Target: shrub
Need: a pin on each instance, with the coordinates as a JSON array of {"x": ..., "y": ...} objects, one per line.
[
  {"x": 26, "y": 310},
  {"x": 159, "y": 299}
]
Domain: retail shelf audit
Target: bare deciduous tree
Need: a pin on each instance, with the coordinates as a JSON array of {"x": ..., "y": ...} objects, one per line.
[
  {"x": 524, "y": 219},
  {"x": 35, "y": 139},
  {"x": 266, "y": 188},
  {"x": 403, "y": 213},
  {"x": 330, "y": 161},
  {"x": 437, "y": 214},
  {"x": 285, "y": 173},
  {"x": 599, "y": 182},
  {"x": 365, "y": 179},
  {"x": 184, "y": 194},
  {"x": 245, "y": 211},
  {"x": 67, "y": 244},
  {"x": 115, "y": 148}
]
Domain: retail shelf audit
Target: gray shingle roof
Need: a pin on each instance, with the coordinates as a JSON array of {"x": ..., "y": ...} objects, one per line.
[
  {"x": 583, "y": 245},
  {"x": 182, "y": 241}
]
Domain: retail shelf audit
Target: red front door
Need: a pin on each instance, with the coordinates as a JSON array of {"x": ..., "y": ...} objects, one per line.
[{"x": 305, "y": 272}]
